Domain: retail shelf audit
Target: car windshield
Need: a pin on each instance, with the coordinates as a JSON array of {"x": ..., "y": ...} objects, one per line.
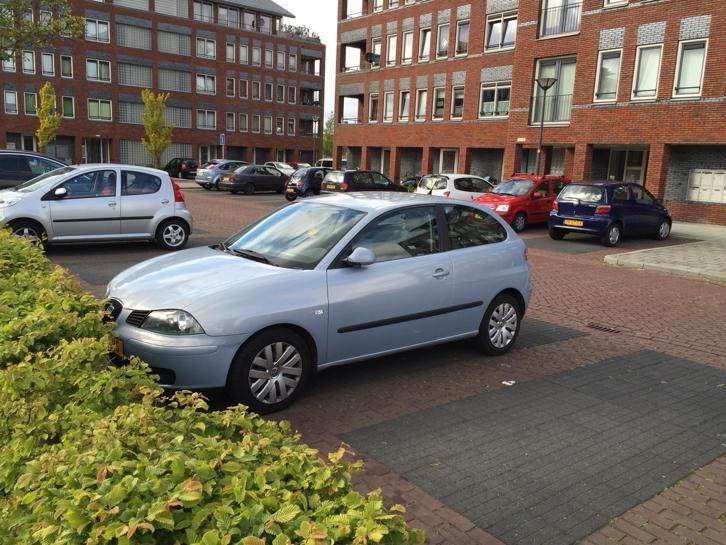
[
  {"x": 296, "y": 236},
  {"x": 433, "y": 182},
  {"x": 44, "y": 180},
  {"x": 514, "y": 187},
  {"x": 300, "y": 173},
  {"x": 581, "y": 193}
]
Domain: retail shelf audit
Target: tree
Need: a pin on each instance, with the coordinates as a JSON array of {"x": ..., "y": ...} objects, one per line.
[
  {"x": 21, "y": 29},
  {"x": 48, "y": 117},
  {"x": 158, "y": 134},
  {"x": 328, "y": 131}
]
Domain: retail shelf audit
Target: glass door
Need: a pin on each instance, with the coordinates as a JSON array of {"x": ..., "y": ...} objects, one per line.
[
  {"x": 97, "y": 150},
  {"x": 627, "y": 165},
  {"x": 449, "y": 160}
]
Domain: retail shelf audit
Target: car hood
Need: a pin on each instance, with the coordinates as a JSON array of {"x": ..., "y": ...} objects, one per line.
[
  {"x": 493, "y": 198},
  {"x": 190, "y": 279}
]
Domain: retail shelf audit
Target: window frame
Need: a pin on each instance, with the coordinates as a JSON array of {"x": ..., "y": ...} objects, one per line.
[
  {"x": 501, "y": 17},
  {"x": 244, "y": 88},
  {"x": 433, "y": 103},
  {"x": 454, "y": 89},
  {"x": 407, "y": 34},
  {"x": 73, "y": 107},
  {"x": 206, "y": 119},
  {"x": 459, "y": 24},
  {"x": 370, "y": 107},
  {"x": 227, "y": 88},
  {"x": 496, "y": 85},
  {"x": 26, "y": 94},
  {"x": 227, "y": 125},
  {"x": 33, "y": 69},
  {"x": 679, "y": 62},
  {"x": 420, "y": 113},
  {"x": 96, "y": 22},
  {"x": 230, "y": 46},
  {"x": 244, "y": 127},
  {"x": 206, "y": 42},
  {"x": 636, "y": 67},
  {"x": 386, "y": 96},
  {"x": 206, "y": 78},
  {"x": 421, "y": 41},
  {"x": 7, "y": 92},
  {"x": 598, "y": 70},
  {"x": 401, "y": 117},
  {"x": 99, "y": 101},
  {"x": 391, "y": 48},
  {"x": 98, "y": 63},
  {"x": 44, "y": 55},
  {"x": 70, "y": 58},
  {"x": 438, "y": 40}
]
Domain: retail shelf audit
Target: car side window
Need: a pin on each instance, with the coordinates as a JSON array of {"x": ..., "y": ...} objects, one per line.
[
  {"x": 363, "y": 179},
  {"x": 379, "y": 179},
  {"x": 407, "y": 233},
  {"x": 557, "y": 186},
  {"x": 544, "y": 188},
  {"x": 464, "y": 184},
  {"x": 99, "y": 183},
  {"x": 621, "y": 194},
  {"x": 471, "y": 227},
  {"x": 15, "y": 163},
  {"x": 319, "y": 175},
  {"x": 139, "y": 183},
  {"x": 641, "y": 196}
]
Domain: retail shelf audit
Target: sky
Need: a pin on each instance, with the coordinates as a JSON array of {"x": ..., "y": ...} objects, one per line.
[{"x": 320, "y": 16}]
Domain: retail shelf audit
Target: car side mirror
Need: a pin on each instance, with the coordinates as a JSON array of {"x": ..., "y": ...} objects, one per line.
[
  {"x": 60, "y": 193},
  {"x": 360, "y": 257},
  {"x": 538, "y": 195}
]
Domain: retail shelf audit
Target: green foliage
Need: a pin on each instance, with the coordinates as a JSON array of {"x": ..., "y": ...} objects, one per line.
[
  {"x": 158, "y": 135},
  {"x": 328, "y": 131},
  {"x": 93, "y": 453},
  {"x": 18, "y": 31},
  {"x": 48, "y": 117}
]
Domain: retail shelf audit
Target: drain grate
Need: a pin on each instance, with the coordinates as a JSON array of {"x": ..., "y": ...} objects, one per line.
[{"x": 602, "y": 327}]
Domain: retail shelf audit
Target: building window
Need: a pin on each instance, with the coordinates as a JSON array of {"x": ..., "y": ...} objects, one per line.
[
  {"x": 174, "y": 43},
  {"x": 373, "y": 108},
  {"x": 421, "y": 99},
  {"x": 280, "y": 126},
  {"x": 256, "y": 123},
  {"x": 243, "y": 88},
  {"x": 204, "y": 11},
  {"x": 134, "y": 75},
  {"x": 268, "y": 58},
  {"x": 69, "y": 107},
  {"x": 462, "y": 37},
  {"x": 11, "y": 102},
  {"x": 438, "y": 104},
  {"x": 256, "y": 90},
  {"x": 229, "y": 125},
  {"x": 494, "y": 99},
  {"x": 66, "y": 66},
  {"x": 442, "y": 41},
  {"x": 99, "y": 110},
  {"x": 230, "y": 87},
  {"x": 47, "y": 64},
  {"x": 137, "y": 37},
  {"x": 291, "y": 126},
  {"x": 387, "y": 107},
  {"x": 98, "y": 70},
  {"x": 243, "y": 51},
  {"x": 268, "y": 92},
  {"x": 31, "y": 103},
  {"x": 501, "y": 30},
  {"x": 391, "y": 50},
  {"x": 392, "y": 4},
  {"x": 229, "y": 52},
  {"x": 292, "y": 94},
  {"x": 206, "y": 119},
  {"x": 206, "y": 49},
  {"x": 377, "y": 5},
  {"x": 206, "y": 84},
  {"x": 268, "y": 124},
  {"x": 457, "y": 102},
  {"x": 228, "y": 16},
  {"x": 280, "y": 93},
  {"x": 28, "y": 62},
  {"x": 280, "y": 60},
  {"x": 557, "y": 105},
  {"x": 376, "y": 50},
  {"x": 560, "y": 17},
  {"x": 607, "y": 77},
  {"x": 424, "y": 45},
  {"x": 689, "y": 72},
  {"x": 174, "y": 80},
  {"x": 292, "y": 63},
  {"x": 404, "y": 105},
  {"x": 97, "y": 31},
  {"x": 242, "y": 122},
  {"x": 249, "y": 21},
  {"x": 9, "y": 62},
  {"x": 647, "y": 72},
  {"x": 609, "y": 3},
  {"x": 256, "y": 56},
  {"x": 407, "y": 48}
]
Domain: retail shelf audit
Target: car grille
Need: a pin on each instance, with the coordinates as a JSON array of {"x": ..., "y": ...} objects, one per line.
[
  {"x": 112, "y": 310},
  {"x": 137, "y": 317}
]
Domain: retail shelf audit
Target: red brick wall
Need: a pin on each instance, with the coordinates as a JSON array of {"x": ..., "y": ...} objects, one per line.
[{"x": 698, "y": 212}]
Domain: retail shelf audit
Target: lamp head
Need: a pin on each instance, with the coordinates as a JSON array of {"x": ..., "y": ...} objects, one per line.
[{"x": 546, "y": 83}]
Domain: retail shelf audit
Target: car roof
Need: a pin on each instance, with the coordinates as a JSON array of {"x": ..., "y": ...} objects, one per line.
[
  {"x": 374, "y": 201},
  {"x": 93, "y": 166},
  {"x": 602, "y": 183},
  {"x": 454, "y": 175},
  {"x": 28, "y": 152}
]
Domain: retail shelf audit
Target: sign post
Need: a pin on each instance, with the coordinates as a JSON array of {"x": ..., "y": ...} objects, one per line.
[{"x": 221, "y": 143}]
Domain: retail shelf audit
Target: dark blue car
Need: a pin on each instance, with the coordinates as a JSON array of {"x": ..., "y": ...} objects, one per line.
[
  {"x": 610, "y": 210},
  {"x": 305, "y": 182}
]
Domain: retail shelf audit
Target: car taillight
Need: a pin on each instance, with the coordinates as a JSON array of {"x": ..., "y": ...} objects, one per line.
[
  {"x": 178, "y": 195},
  {"x": 603, "y": 209},
  {"x": 184, "y": 165},
  {"x": 447, "y": 193},
  {"x": 554, "y": 205},
  {"x": 344, "y": 187}
]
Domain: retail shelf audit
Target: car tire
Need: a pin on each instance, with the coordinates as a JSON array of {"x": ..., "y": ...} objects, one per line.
[
  {"x": 291, "y": 196},
  {"x": 309, "y": 193},
  {"x": 612, "y": 235},
  {"x": 500, "y": 326},
  {"x": 256, "y": 376},
  {"x": 29, "y": 230},
  {"x": 519, "y": 222},
  {"x": 557, "y": 234},
  {"x": 663, "y": 231},
  {"x": 248, "y": 188},
  {"x": 234, "y": 191},
  {"x": 172, "y": 234},
  {"x": 207, "y": 186}
]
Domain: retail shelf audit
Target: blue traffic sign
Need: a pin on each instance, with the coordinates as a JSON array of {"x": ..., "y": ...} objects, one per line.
[{"x": 221, "y": 139}]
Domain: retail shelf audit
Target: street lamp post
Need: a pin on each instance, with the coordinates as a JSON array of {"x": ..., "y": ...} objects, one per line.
[{"x": 545, "y": 84}]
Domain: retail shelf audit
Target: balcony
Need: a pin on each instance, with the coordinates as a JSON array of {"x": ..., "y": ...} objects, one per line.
[
  {"x": 560, "y": 20},
  {"x": 556, "y": 109}
]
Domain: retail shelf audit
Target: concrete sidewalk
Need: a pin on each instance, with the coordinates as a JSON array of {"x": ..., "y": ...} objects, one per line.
[{"x": 704, "y": 258}]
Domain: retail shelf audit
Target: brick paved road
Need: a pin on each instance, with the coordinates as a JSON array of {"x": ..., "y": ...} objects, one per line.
[{"x": 573, "y": 288}]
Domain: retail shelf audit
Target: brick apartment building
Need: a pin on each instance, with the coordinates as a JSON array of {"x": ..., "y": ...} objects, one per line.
[
  {"x": 450, "y": 85},
  {"x": 231, "y": 68}
]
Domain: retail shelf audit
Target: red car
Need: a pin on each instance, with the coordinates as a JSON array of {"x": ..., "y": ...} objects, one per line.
[{"x": 524, "y": 198}]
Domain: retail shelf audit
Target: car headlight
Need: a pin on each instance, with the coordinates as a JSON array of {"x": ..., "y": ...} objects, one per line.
[
  {"x": 172, "y": 322},
  {"x": 502, "y": 208},
  {"x": 10, "y": 201}
]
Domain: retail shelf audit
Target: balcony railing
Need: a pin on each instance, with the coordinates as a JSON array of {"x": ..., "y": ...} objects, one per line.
[
  {"x": 556, "y": 108},
  {"x": 350, "y": 121},
  {"x": 560, "y": 20}
]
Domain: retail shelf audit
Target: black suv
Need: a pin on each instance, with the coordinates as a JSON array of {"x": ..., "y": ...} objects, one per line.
[
  {"x": 359, "y": 180},
  {"x": 18, "y": 166},
  {"x": 181, "y": 168}
]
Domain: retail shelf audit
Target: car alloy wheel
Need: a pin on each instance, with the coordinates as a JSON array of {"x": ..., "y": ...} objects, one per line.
[
  {"x": 28, "y": 230},
  {"x": 519, "y": 222},
  {"x": 172, "y": 235},
  {"x": 291, "y": 196},
  {"x": 611, "y": 237},
  {"x": 664, "y": 230},
  {"x": 500, "y": 326},
  {"x": 248, "y": 188}
]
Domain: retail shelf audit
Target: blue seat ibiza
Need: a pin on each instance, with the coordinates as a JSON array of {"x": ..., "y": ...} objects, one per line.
[{"x": 609, "y": 210}]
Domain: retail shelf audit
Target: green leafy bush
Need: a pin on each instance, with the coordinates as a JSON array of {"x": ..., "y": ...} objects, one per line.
[{"x": 92, "y": 453}]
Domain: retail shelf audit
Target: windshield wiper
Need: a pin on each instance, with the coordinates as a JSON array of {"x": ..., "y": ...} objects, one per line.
[{"x": 251, "y": 254}]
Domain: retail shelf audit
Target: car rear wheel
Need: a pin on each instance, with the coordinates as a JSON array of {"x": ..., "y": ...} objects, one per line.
[
  {"x": 664, "y": 230},
  {"x": 611, "y": 236},
  {"x": 270, "y": 371},
  {"x": 557, "y": 234},
  {"x": 248, "y": 188},
  {"x": 291, "y": 196},
  {"x": 29, "y": 230},
  {"x": 519, "y": 222},
  {"x": 500, "y": 326},
  {"x": 172, "y": 235},
  {"x": 207, "y": 186}
]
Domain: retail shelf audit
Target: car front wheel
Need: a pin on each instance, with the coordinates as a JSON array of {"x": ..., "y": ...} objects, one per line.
[
  {"x": 519, "y": 222},
  {"x": 248, "y": 188},
  {"x": 172, "y": 235},
  {"x": 270, "y": 371},
  {"x": 29, "y": 230},
  {"x": 500, "y": 326},
  {"x": 291, "y": 196}
]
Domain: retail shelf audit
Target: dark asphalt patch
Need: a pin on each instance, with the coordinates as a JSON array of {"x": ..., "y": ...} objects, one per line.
[{"x": 538, "y": 332}]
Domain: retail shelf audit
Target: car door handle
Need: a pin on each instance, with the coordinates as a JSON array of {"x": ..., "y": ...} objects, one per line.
[
  {"x": 440, "y": 273},
  {"x": 112, "y": 203}
]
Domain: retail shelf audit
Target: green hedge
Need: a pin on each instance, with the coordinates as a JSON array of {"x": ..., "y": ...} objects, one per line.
[{"x": 94, "y": 453}]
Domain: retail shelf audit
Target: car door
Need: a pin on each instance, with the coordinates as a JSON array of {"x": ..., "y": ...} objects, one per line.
[
  {"x": 143, "y": 196},
  {"x": 645, "y": 210},
  {"x": 399, "y": 301},
  {"x": 274, "y": 179},
  {"x": 539, "y": 207},
  {"x": 90, "y": 207}
]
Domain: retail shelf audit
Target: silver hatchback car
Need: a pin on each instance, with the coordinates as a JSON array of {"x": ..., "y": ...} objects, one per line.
[
  {"x": 97, "y": 203},
  {"x": 322, "y": 282}
]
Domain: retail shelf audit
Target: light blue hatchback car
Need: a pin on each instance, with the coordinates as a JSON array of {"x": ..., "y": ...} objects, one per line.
[{"x": 323, "y": 282}]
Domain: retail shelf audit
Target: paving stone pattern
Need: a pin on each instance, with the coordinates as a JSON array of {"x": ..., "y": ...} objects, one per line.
[{"x": 554, "y": 459}]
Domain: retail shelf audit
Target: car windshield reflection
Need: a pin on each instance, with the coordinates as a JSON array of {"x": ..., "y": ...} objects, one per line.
[
  {"x": 44, "y": 180},
  {"x": 514, "y": 187}
]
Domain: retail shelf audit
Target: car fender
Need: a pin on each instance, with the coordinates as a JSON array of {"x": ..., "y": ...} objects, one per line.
[{"x": 43, "y": 220}]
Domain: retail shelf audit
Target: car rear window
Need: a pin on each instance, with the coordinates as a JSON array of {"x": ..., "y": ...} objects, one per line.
[
  {"x": 473, "y": 185},
  {"x": 336, "y": 176},
  {"x": 433, "y": 182},
  {"x": 582, "y": 193}
]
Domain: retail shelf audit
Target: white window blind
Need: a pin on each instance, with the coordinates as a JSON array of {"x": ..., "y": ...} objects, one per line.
[
  {"x": 175, "y": 80},
  {"x": 133, "y": 36},
  {"x": 176, "y": 44},
  {"x": 134, "y": 75}
]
